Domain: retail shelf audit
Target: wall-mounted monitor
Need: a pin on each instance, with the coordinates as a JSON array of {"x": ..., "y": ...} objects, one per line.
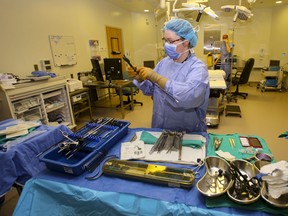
[
  {"x": 274, "y": 63},
  {"x": 96, "y": 70},
  {"x": 149, "y": 64},
  {"x": 113, "y": 68}
]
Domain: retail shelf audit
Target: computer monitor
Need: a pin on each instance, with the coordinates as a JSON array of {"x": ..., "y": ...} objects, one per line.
[
  {"x": 274, "y": 63},
  {"x": 96, "y": 70},
  {"x": 149, "y": 64},
  {"x": 113, "y": 68}
]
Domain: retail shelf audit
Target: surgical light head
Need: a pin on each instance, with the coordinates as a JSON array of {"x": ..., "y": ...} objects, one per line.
[
  {"x": 184, "y": 29},
  {"x": 242, "y": 16}
]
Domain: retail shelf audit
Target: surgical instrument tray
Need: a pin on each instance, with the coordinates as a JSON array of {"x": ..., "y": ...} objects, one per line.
[
  {"x": 171, "y": 176},
  {"x": 81, "y": 150}
]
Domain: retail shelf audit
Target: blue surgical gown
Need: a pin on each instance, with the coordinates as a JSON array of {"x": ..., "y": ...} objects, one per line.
[
  {"x": 188, "y": 87},
  {"x": 226, "y": 62}
]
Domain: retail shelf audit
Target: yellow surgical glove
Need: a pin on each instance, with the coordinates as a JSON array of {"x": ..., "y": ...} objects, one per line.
[
  {"x": 153, "y": 76},
  {"x": 133, "y": 74}
]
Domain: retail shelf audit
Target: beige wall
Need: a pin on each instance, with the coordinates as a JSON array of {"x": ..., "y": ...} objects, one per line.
[
  {"x": 279, "y": 35},
  {"x": 26, "y": 25},
  {"x": 249, "y": 36},
  {"x": 266, "y": 31},
  {"x": 144, "y": 32}
]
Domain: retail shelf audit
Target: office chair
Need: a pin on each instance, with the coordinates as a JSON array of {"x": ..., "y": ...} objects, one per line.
[
  {"x": 127, "y": 92},
  {"x": 242, "y": 77}
]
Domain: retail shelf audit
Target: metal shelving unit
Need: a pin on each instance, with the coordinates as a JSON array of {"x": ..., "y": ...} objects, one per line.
[
  {"x": 47, "y": 101},
  {"x": 80, "y": 102}
]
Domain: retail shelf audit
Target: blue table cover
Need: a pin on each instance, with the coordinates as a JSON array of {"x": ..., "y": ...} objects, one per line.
[
  {"x": 20, "y": 163},
  {"x": 54, "y": 193}
]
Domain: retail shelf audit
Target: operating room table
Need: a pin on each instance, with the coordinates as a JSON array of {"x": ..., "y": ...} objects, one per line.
[{"x": 217, "y": 87}]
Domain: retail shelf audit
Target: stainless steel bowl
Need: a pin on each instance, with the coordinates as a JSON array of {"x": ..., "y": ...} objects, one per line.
[
  {"x": 248, "y": 170},
  {"x": 260, "y": 163},
  {"x": 281, "y": 202},
  {"x": 216, "y": 180}
]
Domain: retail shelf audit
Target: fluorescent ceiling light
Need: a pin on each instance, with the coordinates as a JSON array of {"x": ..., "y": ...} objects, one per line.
[
  {"x": 278, "y": 2},
  {"x": 146, "y": 11}
]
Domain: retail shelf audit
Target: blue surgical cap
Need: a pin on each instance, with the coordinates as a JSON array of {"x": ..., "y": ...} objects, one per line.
[{"x": 184, "y": 29}]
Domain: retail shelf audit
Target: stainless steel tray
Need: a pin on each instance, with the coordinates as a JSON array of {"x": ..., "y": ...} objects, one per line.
[{"x": 171, "y": 176}]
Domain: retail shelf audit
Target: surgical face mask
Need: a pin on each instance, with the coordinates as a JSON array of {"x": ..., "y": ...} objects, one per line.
[{"x": 170, "y": 50}]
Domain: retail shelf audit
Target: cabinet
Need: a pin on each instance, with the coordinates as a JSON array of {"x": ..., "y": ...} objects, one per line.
[
  {"x": 46, "y": 101},
  {"x": 80, "y": 102}
]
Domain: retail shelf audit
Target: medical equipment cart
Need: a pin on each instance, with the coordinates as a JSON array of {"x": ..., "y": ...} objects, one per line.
[{"x": 272, "y": 80}]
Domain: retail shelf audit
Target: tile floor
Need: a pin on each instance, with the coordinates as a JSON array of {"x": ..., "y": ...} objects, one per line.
[{"x": 263, "y": 114}]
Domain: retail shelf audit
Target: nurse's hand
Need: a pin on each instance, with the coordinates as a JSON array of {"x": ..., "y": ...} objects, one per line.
[
  {"x": 131, "y": 73},
  {"x": 145, "y": 72},
  {"x": 153, "y": 76},
  {"x": 134, "y": 74}
]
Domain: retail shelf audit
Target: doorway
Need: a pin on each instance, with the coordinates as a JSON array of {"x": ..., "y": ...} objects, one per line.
[{"x": 115, "y": 43}]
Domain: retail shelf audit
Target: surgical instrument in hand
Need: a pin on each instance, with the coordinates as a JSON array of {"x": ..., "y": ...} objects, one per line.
[
  {"x": 129, "y": 63},
  {"x": 135, "y": 69}
]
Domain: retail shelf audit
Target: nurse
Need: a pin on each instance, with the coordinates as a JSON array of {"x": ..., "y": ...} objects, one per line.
[
  {"x": 179, "y": 84},
  {"x": 226, "y": 54}
]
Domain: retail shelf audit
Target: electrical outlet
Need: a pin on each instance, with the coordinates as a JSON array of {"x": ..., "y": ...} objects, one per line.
[{"x": 46, "y": 65}]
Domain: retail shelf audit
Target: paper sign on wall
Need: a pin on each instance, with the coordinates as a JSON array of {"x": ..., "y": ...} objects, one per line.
[{"x": 63, "y": 50}]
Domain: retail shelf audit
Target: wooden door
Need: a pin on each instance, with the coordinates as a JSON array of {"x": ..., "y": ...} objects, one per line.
[
  {"x": 115, "y": 44},
  {"x": 114, "y": 40}
]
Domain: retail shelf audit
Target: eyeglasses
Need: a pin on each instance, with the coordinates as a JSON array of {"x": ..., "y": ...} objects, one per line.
[{"x": 171, "y": 42}]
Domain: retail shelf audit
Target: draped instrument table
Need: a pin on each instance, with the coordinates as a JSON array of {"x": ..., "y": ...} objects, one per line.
[
  {"x": 20, "y": 163},
  {"x": 54, "y": 193}
]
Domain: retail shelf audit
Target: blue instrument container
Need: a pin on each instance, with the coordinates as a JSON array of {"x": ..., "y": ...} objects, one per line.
[{"x": 94, "y": 141}]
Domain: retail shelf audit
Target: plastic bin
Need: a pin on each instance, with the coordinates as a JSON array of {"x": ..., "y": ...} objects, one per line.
[{"x": 92, "y": 150}]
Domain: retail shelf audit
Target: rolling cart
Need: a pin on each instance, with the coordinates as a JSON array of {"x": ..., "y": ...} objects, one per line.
[{"x": 272, "y": 80}]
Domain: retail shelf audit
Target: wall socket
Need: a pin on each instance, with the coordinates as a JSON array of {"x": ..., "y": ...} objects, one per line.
[{"x": 46, "y": 65}]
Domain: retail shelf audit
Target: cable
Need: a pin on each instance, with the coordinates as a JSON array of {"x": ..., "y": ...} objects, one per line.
[{"x": 99, "y": 171}]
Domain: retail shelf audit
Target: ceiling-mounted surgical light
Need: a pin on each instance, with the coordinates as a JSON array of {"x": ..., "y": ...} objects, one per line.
[
  {"x": 194, "y": 6},
  {"x": 241, "y": 12},
  {"x": 251, "y": 1}
]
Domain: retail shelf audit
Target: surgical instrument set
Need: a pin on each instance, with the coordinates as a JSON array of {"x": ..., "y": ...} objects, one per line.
[{"x": 85, "y": 148}]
